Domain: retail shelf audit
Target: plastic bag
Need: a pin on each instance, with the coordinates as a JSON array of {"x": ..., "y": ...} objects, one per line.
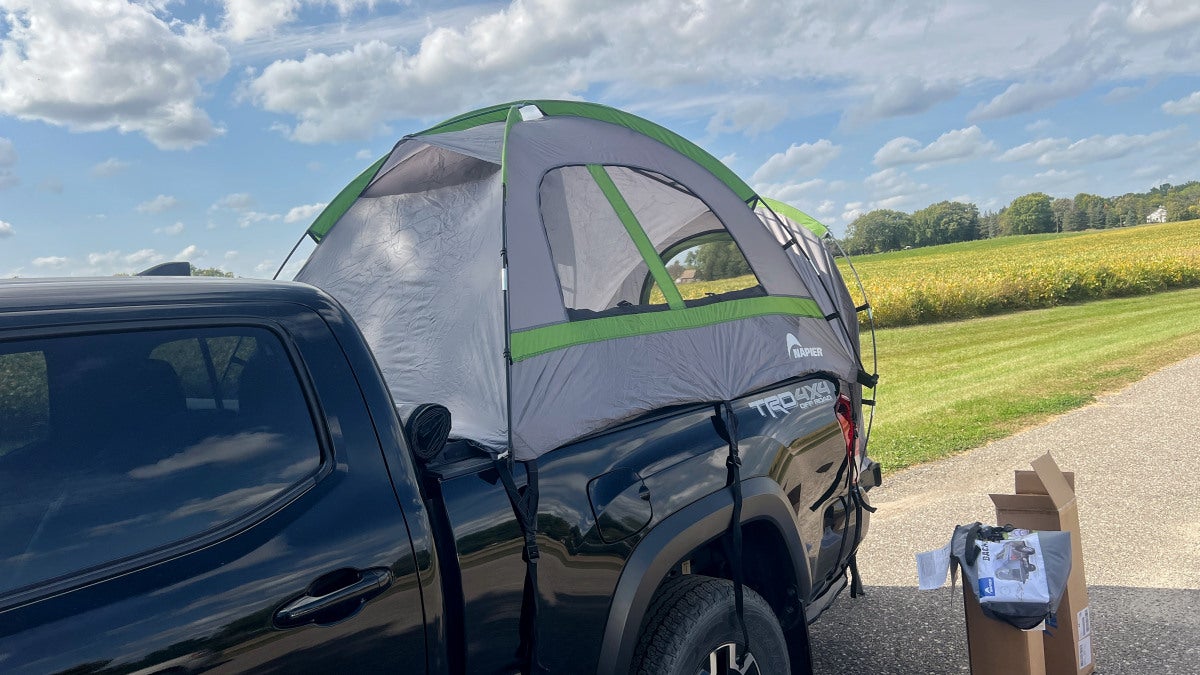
[{"x": 1018, "y": 575}]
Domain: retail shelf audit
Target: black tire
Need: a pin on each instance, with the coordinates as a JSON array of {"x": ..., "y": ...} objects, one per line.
[{"x": 692, "y": 617}]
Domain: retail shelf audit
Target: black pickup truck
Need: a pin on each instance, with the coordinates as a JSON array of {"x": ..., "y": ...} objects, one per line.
[{"x": 205, "y": 475}]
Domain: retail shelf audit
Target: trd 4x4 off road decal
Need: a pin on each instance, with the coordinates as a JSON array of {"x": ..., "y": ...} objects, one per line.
[{"x": 803, "y": 397}]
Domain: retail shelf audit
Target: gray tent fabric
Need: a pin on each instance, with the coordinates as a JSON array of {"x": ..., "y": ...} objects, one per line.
[
  {"x": 504, "y": 269},
  {"x": 419, "y": 273},
  {"x": 817, "y": 267},
  {"x": 586, "y": 383}
]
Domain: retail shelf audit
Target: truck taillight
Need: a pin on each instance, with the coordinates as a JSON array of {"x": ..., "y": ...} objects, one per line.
[{"x": 845, "y": 417}]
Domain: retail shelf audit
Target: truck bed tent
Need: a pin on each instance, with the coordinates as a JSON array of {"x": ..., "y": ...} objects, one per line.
[{"x": 511, "y": 264}]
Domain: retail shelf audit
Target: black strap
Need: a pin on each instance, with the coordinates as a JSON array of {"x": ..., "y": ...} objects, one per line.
[
  {"x": 524, "y": 502},
  {"x": 856, "y": 584},
  {"x": 789, "y": 242},
  {"x": 863, "y": 307},
  {"x": 833, "y": 487},
  {"x": 728, "y": 426},
  {"x": 831, "y": 317},
  {"x": 868, "y": 380}
]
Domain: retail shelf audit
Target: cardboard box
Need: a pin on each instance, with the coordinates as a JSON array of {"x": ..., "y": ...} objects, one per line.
[
  {"x": 1045, "y": 500},
  {"x": 997, "y": 648}
]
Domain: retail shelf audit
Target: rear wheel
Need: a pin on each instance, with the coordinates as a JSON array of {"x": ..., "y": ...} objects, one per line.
[{"x": 692, "y": 630}]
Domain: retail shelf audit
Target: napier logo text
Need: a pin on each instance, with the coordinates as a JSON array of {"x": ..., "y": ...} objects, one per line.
[
  {"x": 803, "y": 397},
  {"x": 799, "y": 351}
]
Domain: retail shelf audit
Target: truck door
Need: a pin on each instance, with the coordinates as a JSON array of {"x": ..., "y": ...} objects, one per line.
[{"x": 191, "y": 496}]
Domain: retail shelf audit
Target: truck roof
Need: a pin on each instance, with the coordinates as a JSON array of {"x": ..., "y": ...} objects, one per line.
[{"x": 22, "y": 295}]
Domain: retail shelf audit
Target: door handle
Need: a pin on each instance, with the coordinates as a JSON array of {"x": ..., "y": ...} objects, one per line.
[{"x": 350, "y": 585}]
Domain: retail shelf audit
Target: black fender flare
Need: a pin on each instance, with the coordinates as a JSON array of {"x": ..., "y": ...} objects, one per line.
[{"x": 671, "y": 540}]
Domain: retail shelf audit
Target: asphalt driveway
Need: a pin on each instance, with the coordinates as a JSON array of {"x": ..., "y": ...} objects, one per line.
[{"x": 1135, "y": 455}]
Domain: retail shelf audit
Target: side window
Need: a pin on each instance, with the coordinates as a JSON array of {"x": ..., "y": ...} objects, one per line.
[
  {"x": 618, "y": 236},
  {"x": 116, "y": 444},
  {"x": 707, "y": 268}
]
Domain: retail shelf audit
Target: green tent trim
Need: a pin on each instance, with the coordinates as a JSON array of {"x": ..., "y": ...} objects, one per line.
[
  {"x": 529, "y": 343},
  {"x": 789, "y": 211},
  {"x": 343, "y": 201}
]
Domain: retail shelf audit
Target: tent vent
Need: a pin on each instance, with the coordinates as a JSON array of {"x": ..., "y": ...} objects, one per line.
[{"x": 530, "y": 112}]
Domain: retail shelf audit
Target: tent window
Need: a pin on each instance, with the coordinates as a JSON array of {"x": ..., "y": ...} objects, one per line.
[
  {"x": 609, "y": 229},
  {"x": 590, "y": 245},
  {"x": 706, "y": 268}
]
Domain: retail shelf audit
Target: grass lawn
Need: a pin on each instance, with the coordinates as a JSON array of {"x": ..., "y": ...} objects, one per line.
[{"x": 949, "y": 387}]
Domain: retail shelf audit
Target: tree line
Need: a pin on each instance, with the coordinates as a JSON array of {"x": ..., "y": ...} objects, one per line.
[{"x": 947, "y": 222}]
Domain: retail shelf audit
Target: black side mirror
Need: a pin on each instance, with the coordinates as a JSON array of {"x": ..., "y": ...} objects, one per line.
[{"x": 426, "y": 429}]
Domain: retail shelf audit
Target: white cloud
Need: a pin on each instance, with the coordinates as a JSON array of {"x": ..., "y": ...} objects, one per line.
[
  {"x": 143, "y": 257},
  {"x": 248, "y": 18},
  {"x": 177, "y": 228},
  {"x": 1098, "y": 148},
  {"x": 868, "y": 60},
  {"x": 109, "y": 167},
  {"x": 1094, "y": 48},
  {"x": 1022, "y": 97},
  {"x": 1152, "y": 16},
  {"x": 51, "y": 261},
  {"x": 1058, "y": 176},
  {"x": 1188, "y": 105},
  {"x": 157, "y": 205},
  {"x": 1039, "y": 125},
  {"x": 101, "y": 259},
  {"x": 903, "y": 95},
  {"x": 551, "y": 48},
  {"x": 246, "y": 218},
  {"x": 952, "y": 146},
  {"x": 231, "y": 255},
  {"x": 237, "y": 201},
  {"x": 852, "y": 210},
  {"x": 303, "y": 213},
  {"x": 6, "y": 229},
  {"x": 8, "y": 153},
  {"x": 109, "y": 64},
  {"x": 798, "y": 192},
  {"x": 363, "y": 154},
  {"x": 8, "y": 158},
  {"x": 1033, "y": 149},
  {"x": 1123, "y": 93},
  {"x": 51, "y": 184},
  {"x": 187, "y": 253},
  {"x": 798, "y": 160},
  {"x": 892, "y": 183},
  {"x": 750, "y": 114}
]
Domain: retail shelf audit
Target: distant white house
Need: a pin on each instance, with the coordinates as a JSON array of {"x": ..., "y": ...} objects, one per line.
[
  {"x": 1159, "y": 216},
  {"x": 688, "y": 276}
]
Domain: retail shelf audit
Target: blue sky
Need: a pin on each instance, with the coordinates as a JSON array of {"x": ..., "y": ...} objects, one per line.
[{"x": 138, "y": 132}]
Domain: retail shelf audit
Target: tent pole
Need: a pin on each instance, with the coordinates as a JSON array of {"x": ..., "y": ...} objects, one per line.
[{"x": 289, "y": 256}]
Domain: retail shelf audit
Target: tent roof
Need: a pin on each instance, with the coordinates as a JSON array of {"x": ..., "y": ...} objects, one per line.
[
  {"x": 499, "y": 113},
  {"x": 797, "y": 216}
]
